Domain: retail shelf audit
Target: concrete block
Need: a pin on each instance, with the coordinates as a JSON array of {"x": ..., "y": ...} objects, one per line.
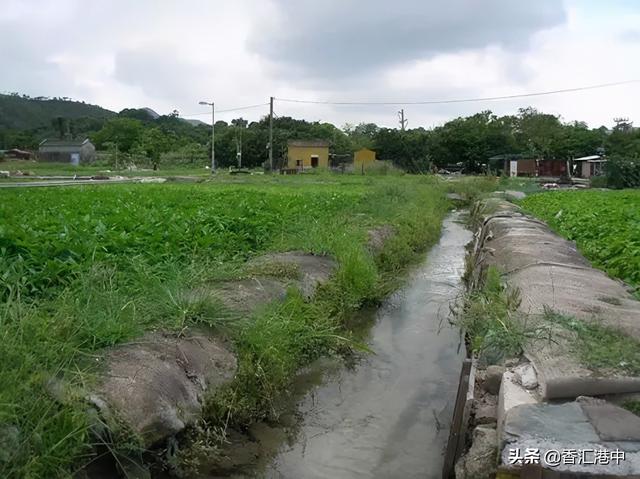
[
  {"x": 492, "y": 379},
  {"x": 526, "y": 375}
]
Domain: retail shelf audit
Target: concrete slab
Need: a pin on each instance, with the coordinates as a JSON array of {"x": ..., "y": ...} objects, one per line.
[
  {"x": 559, "y": 422},
  {"x": 510, "y": 396},
  {"x": 515, "y": 195},
  {"x": 561, "y": 438},
  {"x": 561, "y": 374},
  {"x": 613, "y": 423}
]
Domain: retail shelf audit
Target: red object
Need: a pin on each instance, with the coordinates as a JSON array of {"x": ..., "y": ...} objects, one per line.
[{"x": 552, "y": 167}]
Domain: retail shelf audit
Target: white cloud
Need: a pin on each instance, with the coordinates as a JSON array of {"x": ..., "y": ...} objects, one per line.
[{"x": 169, "y": 54}]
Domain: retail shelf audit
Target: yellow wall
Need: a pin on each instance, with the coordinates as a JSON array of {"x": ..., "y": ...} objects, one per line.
[
  {"x": 363, "y": 158},
  {"x": 304, "y": 154}
]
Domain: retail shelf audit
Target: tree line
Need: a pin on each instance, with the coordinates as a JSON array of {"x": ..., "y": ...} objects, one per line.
[{"x": 468, "y": 142}]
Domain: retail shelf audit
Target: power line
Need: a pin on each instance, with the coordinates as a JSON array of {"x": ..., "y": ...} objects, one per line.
[
  {"x": 243, "y": 107},
  {"x": 229, "y": 109},
  {"x": 460, "y": 100}
]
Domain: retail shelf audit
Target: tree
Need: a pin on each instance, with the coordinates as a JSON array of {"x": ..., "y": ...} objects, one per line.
[
  {"x": 578, "y": 140},
  {"x": 407, "y": 149},
  {"x": 538, "y": 134},
  {"x": 361, "y": 135},
  {"x": 153, "y": 142},
  {"x": 123, "y": 131},
  {"x": 193, "y": 152},
  {"x": 624, "y": 140},
  {"x": 240, "y": 126},
  {"x": 472, "y": 140},
  {"x": 60, "y": 125}
]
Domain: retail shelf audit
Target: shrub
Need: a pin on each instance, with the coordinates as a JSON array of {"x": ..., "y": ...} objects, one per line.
[{"x": 623, "y": 172}]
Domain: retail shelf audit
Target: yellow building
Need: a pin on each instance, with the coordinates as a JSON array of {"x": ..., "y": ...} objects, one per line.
[
  {"x": 303, "y": 154},
  {"x": 362, "y": 159}
]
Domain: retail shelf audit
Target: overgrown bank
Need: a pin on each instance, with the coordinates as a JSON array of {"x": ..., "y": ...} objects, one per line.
[
  {"x": 550, "y": 335},
  {"x": 88, "y": 268}
]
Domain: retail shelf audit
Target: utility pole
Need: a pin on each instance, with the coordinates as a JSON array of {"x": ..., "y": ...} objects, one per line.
[
  {"x": 403, "y": 122},
  {"x": 240, "y": 127},
  {"x": 213, "y": 124},
  {"x": 271, "y": 134}
]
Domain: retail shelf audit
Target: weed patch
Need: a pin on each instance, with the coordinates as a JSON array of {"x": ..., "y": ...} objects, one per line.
[
  {"x": 599, "y": 347},
  {"x": 489, "y": 318},
  {"x": 633, "y": 406},
  {"x": 472, "y": 188}
]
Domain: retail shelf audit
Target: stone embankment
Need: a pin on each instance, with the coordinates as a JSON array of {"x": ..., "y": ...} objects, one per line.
[{"x": 553, "y": 413}]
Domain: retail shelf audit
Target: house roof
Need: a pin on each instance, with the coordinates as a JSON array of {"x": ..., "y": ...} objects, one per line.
[
  {"x": 49, "y": 142},
  {"x": 308, "y": 143},
  {"x": 588, "y": 158},
  {"x": 511, "y": 156}
]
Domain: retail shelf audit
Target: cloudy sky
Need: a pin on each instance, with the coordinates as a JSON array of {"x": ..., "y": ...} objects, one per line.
[{"x": 169, "y": 54}]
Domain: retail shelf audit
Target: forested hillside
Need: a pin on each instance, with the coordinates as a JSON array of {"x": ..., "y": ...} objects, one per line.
[
  {"x": 24, "y": 120},
  {"x": 26, "y": 113}
]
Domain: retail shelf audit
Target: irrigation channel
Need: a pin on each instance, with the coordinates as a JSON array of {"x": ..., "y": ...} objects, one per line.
[{"x": 388, "y": 416}]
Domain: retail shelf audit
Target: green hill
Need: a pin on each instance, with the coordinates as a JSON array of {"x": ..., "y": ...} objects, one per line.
[{"x": 26, "y": 113}]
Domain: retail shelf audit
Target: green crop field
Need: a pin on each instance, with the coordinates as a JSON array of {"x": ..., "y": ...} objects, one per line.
[
  {"x": 83, "y": 268},
  {"x": 604, "y": 224}
]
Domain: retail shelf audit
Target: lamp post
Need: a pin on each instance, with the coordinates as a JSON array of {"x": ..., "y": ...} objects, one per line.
[{"x": 213, "y": 123}]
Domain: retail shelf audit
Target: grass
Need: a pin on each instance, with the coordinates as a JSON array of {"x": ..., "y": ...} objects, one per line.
[
  {"x": 472, "y": 188},
  {"x": 488, "y": 316},
  {"x": 85, "y": 268},
  {"x": 526, "y": 185},
  {"x": 633, "y": 406},
  {"x": 599, "y": 347},
  {"x": 604, "y": 224},
  {"x": 495, "y": 330}
]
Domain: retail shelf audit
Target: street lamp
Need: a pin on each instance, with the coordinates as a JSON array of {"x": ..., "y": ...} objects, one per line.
[{"x": 213, "y": 123}]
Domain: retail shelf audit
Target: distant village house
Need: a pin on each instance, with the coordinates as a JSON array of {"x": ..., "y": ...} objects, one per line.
[
  {"x": 67, "y": 151},
  {"x": 553, "y": 168},
  {"x": 588, "y": 166},
  {"x": 520, "y": 165},
  {"x": 362, "y": 159},
  {"x": 304, "y": 154},
  {"x": 15, "y": 153}
]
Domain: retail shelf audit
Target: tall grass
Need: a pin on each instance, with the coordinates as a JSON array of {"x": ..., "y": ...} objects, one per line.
[
  {"x": 472, "y": 188},
  {"x": 294, "y": 333},
  {"x": 488, "y": 315}
]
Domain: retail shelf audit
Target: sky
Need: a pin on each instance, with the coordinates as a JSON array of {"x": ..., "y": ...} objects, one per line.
[{"x": 169, "y": 55}]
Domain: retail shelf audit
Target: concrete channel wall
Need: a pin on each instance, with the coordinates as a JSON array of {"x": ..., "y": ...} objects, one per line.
[{"x": 548, "y": 400}]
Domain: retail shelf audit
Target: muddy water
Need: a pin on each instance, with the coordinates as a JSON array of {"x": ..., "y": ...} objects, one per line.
[{"x": 388, "y": 417}]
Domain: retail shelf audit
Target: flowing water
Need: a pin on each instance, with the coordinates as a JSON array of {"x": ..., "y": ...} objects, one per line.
[{"x": 388, "y": 417}]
